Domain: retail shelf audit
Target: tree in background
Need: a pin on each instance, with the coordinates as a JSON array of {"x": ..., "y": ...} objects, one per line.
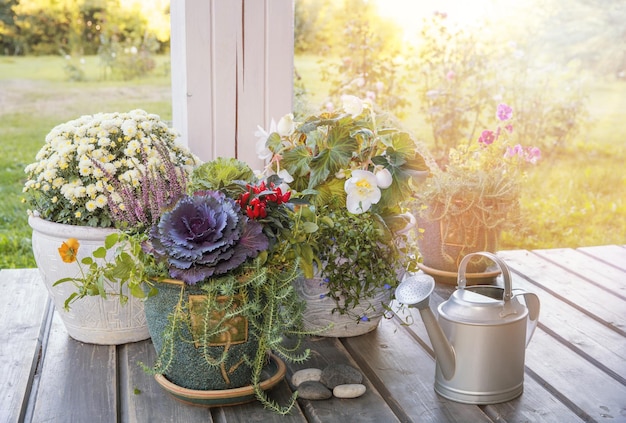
[
  {"x": 359, "y": 51},
  {"x": 81, "y": 26}
]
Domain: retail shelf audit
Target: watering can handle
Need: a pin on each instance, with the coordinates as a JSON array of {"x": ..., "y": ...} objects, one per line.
[
  {"x": 506, "y": 275},
  {"x": 532, "y": 304}
]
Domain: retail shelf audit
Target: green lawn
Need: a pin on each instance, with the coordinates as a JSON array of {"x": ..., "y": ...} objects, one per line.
[
  {"x": 35, "y": 97},
  {"x": 579, "y": 199}
]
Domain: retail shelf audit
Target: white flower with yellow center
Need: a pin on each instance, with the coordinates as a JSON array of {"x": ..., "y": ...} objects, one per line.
[
  {"x": 101, "y": 201},
  {"x": 362, "y": 189}
]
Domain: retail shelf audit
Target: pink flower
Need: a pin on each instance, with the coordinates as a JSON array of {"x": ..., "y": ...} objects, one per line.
[
  {"x": 450, "y": 75},
  {"x": 533, "y": 154},
  {"x": 504, "y": 112},
  {"x": 487, "y": 137},
  {"x": 517, "y": 150},
  {"x": 509, "y": 128}
]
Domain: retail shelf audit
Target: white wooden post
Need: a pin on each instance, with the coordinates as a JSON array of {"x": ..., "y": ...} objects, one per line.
[{"x": 232, "y": 69}]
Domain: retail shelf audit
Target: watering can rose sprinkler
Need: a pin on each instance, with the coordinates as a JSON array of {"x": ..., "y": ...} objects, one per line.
[{"x": 480, "y": 337}]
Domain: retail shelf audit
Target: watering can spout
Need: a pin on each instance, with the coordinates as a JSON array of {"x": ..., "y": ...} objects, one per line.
[
  {"x": 443, "y": 349},
  {"x": 414, "y": 291}
]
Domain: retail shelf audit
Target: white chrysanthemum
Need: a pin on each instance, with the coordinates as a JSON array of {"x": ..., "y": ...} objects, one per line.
[
  {"x": 58, "y": 182},
  {"x": 101, "y": 201},
  {"x": 91, "y": 190},
  {"x": 49, "y": 174},
  {"x": 132, "y": 148},
  {"x": 129, "y": 128},
  {"x": 91, "y": 205},
  {"x": 80, "y": 191}
]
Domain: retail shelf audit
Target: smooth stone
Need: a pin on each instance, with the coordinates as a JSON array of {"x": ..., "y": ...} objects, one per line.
[
  {"x": 340, "y": 374},
  {"x": 304, "y": 375},
  {"x": 313, "y": 390},
  {"x": 352, "y": 390}
]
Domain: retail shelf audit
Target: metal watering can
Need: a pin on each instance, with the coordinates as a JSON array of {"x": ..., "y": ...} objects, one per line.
[{"x": 481, "y": 336}]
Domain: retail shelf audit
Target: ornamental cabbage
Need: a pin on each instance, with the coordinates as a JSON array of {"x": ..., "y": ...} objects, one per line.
[{"x": 206, "y": 235}]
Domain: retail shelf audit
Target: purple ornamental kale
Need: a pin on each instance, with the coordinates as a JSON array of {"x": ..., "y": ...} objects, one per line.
[{"x": 205, "y": 235}]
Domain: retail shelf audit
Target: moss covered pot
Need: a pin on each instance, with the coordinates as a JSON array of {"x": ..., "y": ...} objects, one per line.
[{"x": 195, "y": 355}]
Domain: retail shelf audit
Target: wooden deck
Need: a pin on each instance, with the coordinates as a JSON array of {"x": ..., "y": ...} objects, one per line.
[{"x": 575, "y": 364}]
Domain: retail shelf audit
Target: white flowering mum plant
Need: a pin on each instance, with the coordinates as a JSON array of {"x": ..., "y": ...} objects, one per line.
[
  {"x": 357, "y": 169},
  {"x": 76, "y": 172}
]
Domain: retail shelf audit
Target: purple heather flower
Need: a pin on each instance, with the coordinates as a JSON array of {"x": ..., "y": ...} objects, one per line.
[
  {"x": 205, "y": 235},
  {"x": 504, "y": 112}
]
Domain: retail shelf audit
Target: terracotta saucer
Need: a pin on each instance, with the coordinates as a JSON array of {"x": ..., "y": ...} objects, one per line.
[
  {"x": 273, "y": 373},
  {"x": 450, "y": 278}
]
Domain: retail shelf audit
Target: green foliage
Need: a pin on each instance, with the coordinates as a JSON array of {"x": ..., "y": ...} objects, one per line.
[
  {"x": 119, "y": 263},
  {"x": 358, "y": 258},
  {"x": 221, "y": 174},
  {"x": 326, "y": 145}
]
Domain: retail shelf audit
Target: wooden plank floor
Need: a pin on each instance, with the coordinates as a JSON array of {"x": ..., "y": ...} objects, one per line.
[{"x": 575, "y": 364}]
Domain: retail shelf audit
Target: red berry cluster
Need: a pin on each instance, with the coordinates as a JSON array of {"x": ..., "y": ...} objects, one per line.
[{"x": 255, "y": 200}]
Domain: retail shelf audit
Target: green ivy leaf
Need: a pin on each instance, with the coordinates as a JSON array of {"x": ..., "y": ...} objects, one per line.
[
  {"x": 100, "y": 253},
  {"x": 111, "y": 240}
]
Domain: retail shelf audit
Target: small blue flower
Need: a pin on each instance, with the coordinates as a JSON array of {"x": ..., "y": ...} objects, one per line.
[
  {"x": 387, "y": 286},
  {"x": 365, "y": 319},
  {"x": 322, "y": 295},
  {"x": 326, "y": 280}
]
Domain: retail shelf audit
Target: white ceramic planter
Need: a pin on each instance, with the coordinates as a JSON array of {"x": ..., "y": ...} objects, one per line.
[
  {"x": 318, "y": 313},
  {"x": 92, "y": 320}
]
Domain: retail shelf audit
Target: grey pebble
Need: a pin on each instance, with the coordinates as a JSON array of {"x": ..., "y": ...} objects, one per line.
[
  {"x": 352, "y": 390},
  {"x": 313, "y": 390},
  {"x": 304, "y": 375},
  {"x": 340, "y": 374}
]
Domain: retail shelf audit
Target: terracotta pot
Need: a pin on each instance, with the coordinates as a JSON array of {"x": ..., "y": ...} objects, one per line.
[
  {"x": 92, "y": 320},
  {"x": 444, "y": 243},
  {"x": 188, "y": 367}
]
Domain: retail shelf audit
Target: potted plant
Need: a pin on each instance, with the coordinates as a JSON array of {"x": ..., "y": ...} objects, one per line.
[
  {"x": 356, "y": 169},
  {"x": 466, "y": 202},
  {"x": 216, "y": 268},
  {"x": 69, "y": 191}
]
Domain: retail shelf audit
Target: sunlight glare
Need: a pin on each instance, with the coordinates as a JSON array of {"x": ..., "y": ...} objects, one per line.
[{"x": 409, "y": 14}]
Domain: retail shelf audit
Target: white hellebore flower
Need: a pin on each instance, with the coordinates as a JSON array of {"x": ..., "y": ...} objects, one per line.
[
  {"x": 362, "y": 190},
  {"x": 383, "y": 178},
  {"x": 352, "y": 105},
  {"x": 286, "y": 126},
  {"x": 262, "y": 151}
]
